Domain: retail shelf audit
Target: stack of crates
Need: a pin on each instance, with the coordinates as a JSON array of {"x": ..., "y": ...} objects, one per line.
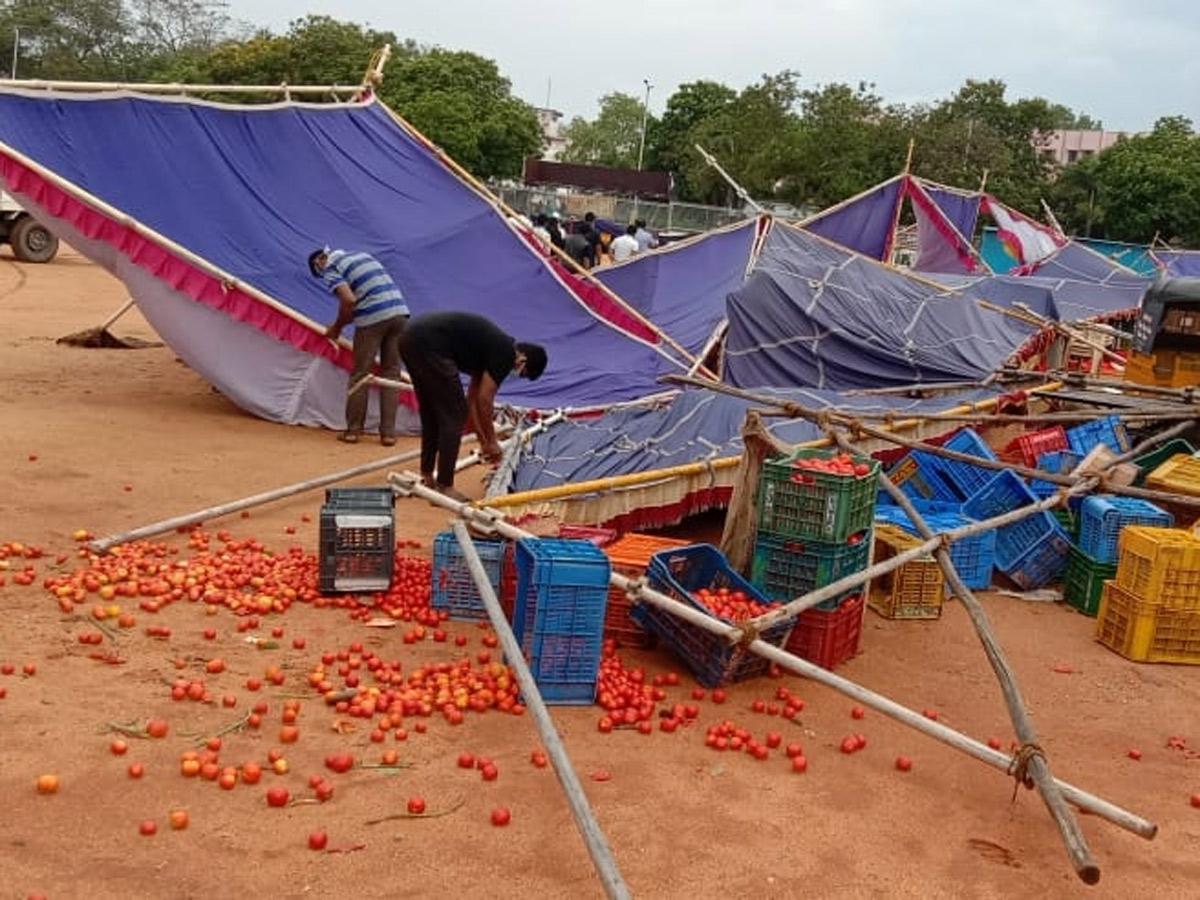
[
  {"x": 630, "y": 555},
  {"x": 453, "y": 589},
  {"x": 814, "y": 528},
  {"x": 1026, "y": 448},
  {"x": 1152, "y": 459},
  {"x": 1032, "y": 551},
  {"x": 357, "y": 540},
  {"x": 1150, "y": 610},
  {"x": 1094, "y": 560},
  {"x": 558, "y": 618},
  {"x": 681, "y": 574},
  {"x": 973, "y": 557},
  {"x": 913, "y": 591}
]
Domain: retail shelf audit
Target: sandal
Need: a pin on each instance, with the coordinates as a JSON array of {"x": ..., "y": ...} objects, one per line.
[{"x": 348, "y": 437}]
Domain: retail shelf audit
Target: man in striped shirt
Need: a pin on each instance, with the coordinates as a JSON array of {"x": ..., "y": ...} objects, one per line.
[{"x": 369, "y": 298}]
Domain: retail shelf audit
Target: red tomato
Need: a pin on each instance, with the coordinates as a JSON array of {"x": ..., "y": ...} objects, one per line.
[
  {"x": 466, "y": 760},
  {"x": 793, "y": 750},
  {"x": 903, "y": 763},
  {"x": 857, "y": 713},
  {"x": 148, "y": 827},
  {"x": 501, "y": 816},
  {"x": 774, "y": 739},
  {"x": 278, "y": 796},
  {"x": 1135, "y": 753},
  {"x": 539, "y": 759},
  {"x": 849, "y": 744},
  {"x": 416, "y": 805},
  {"x": 799, "y": 764},
  {"x": 318, "y": 840},
  {"x": 489, "y": 772},
  {"x": 718, "y": 696}
]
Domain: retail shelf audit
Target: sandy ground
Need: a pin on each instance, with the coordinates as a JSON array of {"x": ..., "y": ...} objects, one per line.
[{"x": 107, "y": 440}]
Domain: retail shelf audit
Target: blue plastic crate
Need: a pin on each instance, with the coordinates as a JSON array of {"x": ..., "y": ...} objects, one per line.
[
  {"x": 973, "y": 557},
  {"x": 1103, "y": 516},
  {"x": 892, "y": 514},
  {"x": 1057, "y": 462},
  {"x": 713, "y": 660},
  {"x": 920, "y": 475},
  {"x": 452, "y": 588},
  {"x": 965, "y": 478},
  {"x": 1043, "y": 562},
  {"x": 1005, "y": 493},
  {"x": 784, "y": 568},
  {"x": 558, "y": 618},
  {"x": 1109, "y": 431}
]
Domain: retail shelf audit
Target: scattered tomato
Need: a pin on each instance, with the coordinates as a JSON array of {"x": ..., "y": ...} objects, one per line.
[
  {"x": 416, "y": 805},
  {"x": 318, "y": 840},
  {"x": 148, "y": 827},
  {"x": 857, "y": 713},
  {"x": 178, "y": 819},
  {"x": 903, "y": 763},
  {"x": 501, "y": 816},
  {"x": 278, "y": 796},
  {"x": 47, "y": 784}
]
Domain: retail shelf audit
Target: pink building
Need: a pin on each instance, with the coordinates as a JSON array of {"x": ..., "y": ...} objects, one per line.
[{"x": 1066, "y": 147}]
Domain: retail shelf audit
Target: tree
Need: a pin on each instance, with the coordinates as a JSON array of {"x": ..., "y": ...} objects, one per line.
[
  {"x": 669, "y": 139},
  {"x": 68, "y": 39},
  {"x": 461, "y": 102},
  {"x": 612, "y": 139},
  {"x": 1142, "y": 186},
  {"x": 847, "y": 141}
]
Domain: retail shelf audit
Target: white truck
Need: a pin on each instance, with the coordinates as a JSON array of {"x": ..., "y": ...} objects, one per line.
[{"x": 31, "y": 241}]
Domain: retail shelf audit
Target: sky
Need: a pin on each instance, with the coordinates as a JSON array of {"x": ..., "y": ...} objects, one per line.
[{"x": 1124, "y": 63}]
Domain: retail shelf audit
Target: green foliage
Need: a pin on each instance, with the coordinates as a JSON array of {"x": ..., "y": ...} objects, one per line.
[
  {"x": 1142, "y": 187},
  {"x": 614, "y": 139},
  {"x": 462, "y": 103}
]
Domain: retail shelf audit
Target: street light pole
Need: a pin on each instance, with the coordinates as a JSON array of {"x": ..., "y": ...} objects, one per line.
[
  {"x": 645, "y": 118},
  {"x": 16, "y": 49}
]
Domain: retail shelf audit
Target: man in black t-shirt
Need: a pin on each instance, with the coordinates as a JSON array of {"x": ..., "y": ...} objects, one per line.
[{"x": 438, "y": 348}]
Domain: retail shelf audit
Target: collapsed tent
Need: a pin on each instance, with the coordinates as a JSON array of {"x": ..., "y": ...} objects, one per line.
[
  {"x": 207, "y": 212},
  {"x": 815, "y": 314}
]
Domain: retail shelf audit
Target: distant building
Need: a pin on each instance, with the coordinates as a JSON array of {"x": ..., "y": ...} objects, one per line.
[
  {"x": 1066, "y": 147},
  {"x": 552, "y": 128}
]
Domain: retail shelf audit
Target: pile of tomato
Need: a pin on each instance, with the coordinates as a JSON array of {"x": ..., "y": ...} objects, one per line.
[
  {"x": 242, "y": 576},
  {"x": 623, "y": 693},
  {"x": 842, "y": 464},
  {"x": 731, "y": 605}
]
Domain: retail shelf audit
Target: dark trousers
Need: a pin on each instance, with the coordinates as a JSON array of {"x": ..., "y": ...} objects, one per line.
[
  {"x": 382, "y": 338},
  {"x": 442, "y": 406}
]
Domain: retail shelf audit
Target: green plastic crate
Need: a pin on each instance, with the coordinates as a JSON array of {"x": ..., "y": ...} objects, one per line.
[
  {"x": 820, "y": 506},
  {"x": 1084, "y": 581}
]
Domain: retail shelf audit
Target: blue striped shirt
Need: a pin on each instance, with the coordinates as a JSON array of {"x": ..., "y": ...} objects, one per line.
[{"x": 376, "y": 297}]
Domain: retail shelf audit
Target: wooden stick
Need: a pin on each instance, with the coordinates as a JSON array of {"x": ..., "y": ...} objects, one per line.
[
  {"x": 39, "y": 84},
  {"x": 1034, "y": 761},
  {"x": 585, "y": 819},
  {"x": 851, "y": 421},
  {"x": 1187, "y": 394},
  {"x": 227, "y": 280},
  {"x": 1029, "y": 317},
  {"x": 101, "y": 544},
  {"x": 407, "y": 483},
  {"x": 498, "y": 203}
]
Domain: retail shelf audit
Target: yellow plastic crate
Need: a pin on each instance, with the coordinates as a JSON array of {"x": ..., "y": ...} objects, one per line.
[
  {"x": 1159, "y": 565},
  {"x": 1144, "y": 631},
  {"x": 1180, "y": 475},
  {"x": 1167, "y": 368},
  {"x": 913, "y": 591}
]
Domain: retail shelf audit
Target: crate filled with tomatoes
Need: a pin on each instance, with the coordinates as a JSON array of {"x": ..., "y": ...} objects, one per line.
[
  {"x": 818, "y": 494},
  {"x": 700, "y": 577}
]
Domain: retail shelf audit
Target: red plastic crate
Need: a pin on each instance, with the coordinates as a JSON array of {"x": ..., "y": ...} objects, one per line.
[
  {"x": 601, "y": 537},
  {"x": 1032, "y": 444},
  {"x": 630, "y": 556},
  {"x": 828, "y": 637}
]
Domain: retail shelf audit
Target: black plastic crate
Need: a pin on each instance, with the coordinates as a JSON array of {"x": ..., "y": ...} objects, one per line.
[{"x": 357, "y": 540}]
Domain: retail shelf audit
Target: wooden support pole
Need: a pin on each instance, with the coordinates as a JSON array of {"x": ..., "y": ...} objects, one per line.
[
  {"x": 409, "y": 484},
  {"x": 585, "y": 818},
  {"x": 1030, "y": 765}
]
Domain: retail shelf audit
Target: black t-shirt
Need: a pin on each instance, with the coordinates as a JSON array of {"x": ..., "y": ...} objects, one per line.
[{"x": 475, "y": 344}]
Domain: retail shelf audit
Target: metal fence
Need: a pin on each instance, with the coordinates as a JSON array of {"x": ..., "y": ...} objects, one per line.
[{"x": 661, "y": 217}]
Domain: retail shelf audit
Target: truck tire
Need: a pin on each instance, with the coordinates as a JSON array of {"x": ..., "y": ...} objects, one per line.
[{"x": 32, "y": 241}]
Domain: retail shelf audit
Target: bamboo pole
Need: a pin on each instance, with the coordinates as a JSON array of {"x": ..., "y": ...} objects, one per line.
[
  {"x": 498, "y": 203},
  {"x": 140, "y": 87},
  {"x": 125, "y": 307},
  {"x": 622, "y": 482},
  {"x": 890, "y": 243},
  {"x": 1032, "y": 761},
  {"x": 512, "y": 451},
  {"x": 1029, "y": 317},
  {"x": 1186, "y": 394},
  {"x": 585, "y": 819},
  {"x": 228, "y": 281},
  {"x": 408, "y": 484},
  {"x": 851, "y": 421}
]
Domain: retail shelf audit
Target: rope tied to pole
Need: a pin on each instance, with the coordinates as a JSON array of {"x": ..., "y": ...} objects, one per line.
[{"x": 1018, "y": 767}]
